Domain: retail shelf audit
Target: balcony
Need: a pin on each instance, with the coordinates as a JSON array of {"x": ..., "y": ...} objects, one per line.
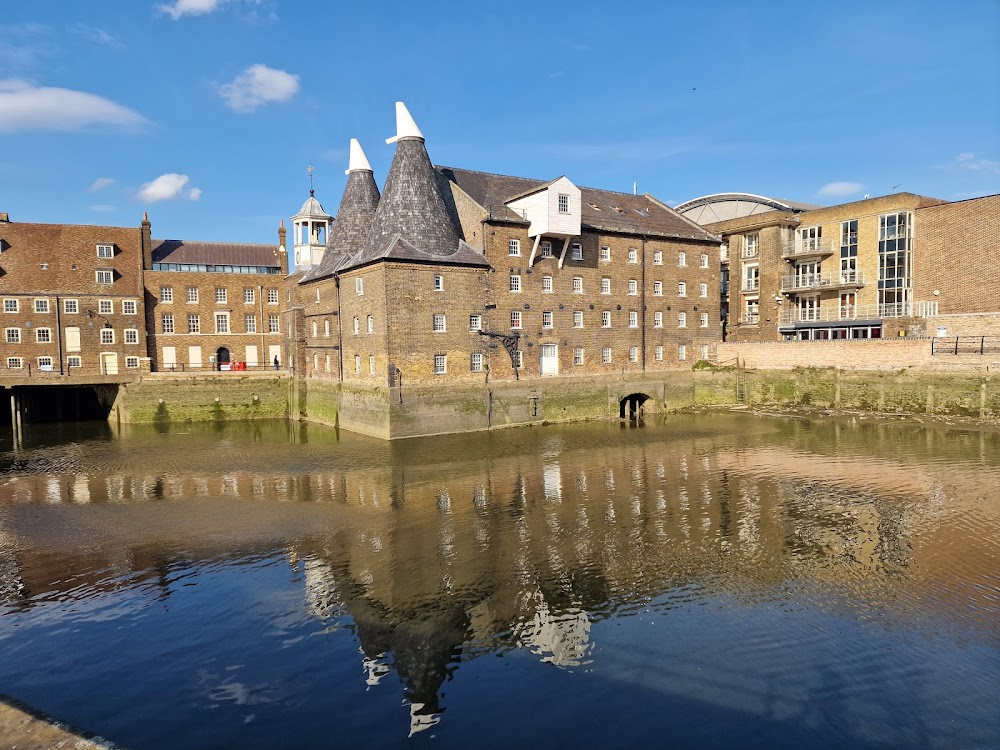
[
  {"x": 801, "y": 249},
  {"x": 724, "y": 254},
  {"x": 810, "y": 281},
  {"x": 750, "y": 319},
  {"x": 750, "y": 285},
  {"x": 749, "y": 253},
  {"x": 836, "y": 313}
]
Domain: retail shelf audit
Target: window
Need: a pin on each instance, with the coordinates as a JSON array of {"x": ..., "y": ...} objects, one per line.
[
  {"x": 703, "y": 320},
  {"x": 357, "y": 364},
  {"x": 250, "y": 296},
  {"x": 810, "y": 239},
  {"x": 131, "y": 335},
  {"x": 41, "y": 305},
  {"x": 12, "y": 335},
  {"x": 546, "y": 319},
  {"x": 359, "y": 286},
  {"x": 657, "y": 257},
  {"x": 105, "y": 251},
  {"x": 222, "y": 295},
  {"x": 45, "y": 363},
  {"x": 633, "y": 287},
  {"x": 515, "y": 283},
  {"x": 105, "y": 307},
  {"x": 273, "y": 323},
  {"x": 326, "y": 327},
  {"x": 440, "y": 364},
  {"x": 167, "y": 322},
  {"x": 129, "y": 307},
  {"x": 250, "y": 323},
  {"x": 194, "y": 323},
  {"x": 515, "y": 319},
  {"x": 578, "y": 318},
  {"x": 475, "y": 322},
  {"x": 14, "y": 363},
  {"x": 547, "y": 284},
  {"x": 751, "y": 246},
  {"x": 371, "y": 364},
  {"x": 682, "y": 320},
  {"x": 45, "y": 267},
  {"x": 605, "y": 285},
  {"x": 438, "y": 323},
  {"x": 371, "y": 324},
  {"x": 107, "y": 335},
  {"x": 605, "y": 319},
  {"x": 606, "y": 355},
  {"x": 11, "y": 305},
  {"x": 317, "y": 295},
  {"x": 315, "y": 327},
  {"x": 513, "y": 247},
  {"x": 578, "y": 356},
  {"x": 563, "y": 203},
  {"x": 105, "y": 276},
  {"x": 438, "y": 283},
  {"x": 166, "y": 294},
  {"x": 703, "y": 289},
  {"x": 577, "y": 285},
  {"x": 658, "y": 288},
  {"x": 74, "y": 360},
  {"x": 849, "y": 251},
  {"x": 519, "y": 359},
  {"x": 131, "y": 362},
  {"x": 191, "y": 294},
  {"x": 682, "y": 352},
  {"x": 633, "y": 319},
  {"x": 476, "y": 362},
  {"x": 633, "y": 354},
  {"x": 43, "y": 335},
  {"x": 657, "y": 320},
  {"x": 751, "y": 310},
  {"x": 703, "y": 261},
  {"x": 682, "y": 259},
  {"x": 751, "y": 277},
  {"x": 546, "y": 249},
  {"x": 577, "y": 251},
  {"x": 222, "y": 322},
  {"x": 71, "y": 306},
  {"x": 357, "y": 325},
  {"x": 703, "y": 351},
  {"x": 605, "y": 253},
  {"x": 633, "y": 255},
  {"x": 272, "y": 296},
  {"x": 682, "y": 289},
  {"x": 658, "y": 353},
  {"x": 895, "y": 232}
]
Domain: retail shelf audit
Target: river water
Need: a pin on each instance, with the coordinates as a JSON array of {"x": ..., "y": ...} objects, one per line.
[{"x": 710, "y": 581}]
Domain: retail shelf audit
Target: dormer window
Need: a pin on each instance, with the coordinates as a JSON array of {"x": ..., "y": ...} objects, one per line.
[
  {"x": 546, "y": 249},
  {"x": 105, "y": 251},
  {"x": 105, "y": 276},
  {"x": 563, "y": 203}
]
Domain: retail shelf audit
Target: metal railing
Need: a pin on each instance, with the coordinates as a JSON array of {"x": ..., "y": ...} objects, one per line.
[
  {"x": 803, "y": 247},
  {"x": 835, "y": 279},
  {"x": 750, "y": 252},
  {"x": 750, "y": 319},
  {"x": 750, "y": 285},
  {"x": 836, "y": 313},
  {"x": 224, "y": 367},
  {"x": 965, "y": 345}
]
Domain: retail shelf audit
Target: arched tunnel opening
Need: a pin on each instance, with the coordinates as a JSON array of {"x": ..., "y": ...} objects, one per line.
[
  {"x": 631, "y": 406},
  {"x": 42, "y": 404}
]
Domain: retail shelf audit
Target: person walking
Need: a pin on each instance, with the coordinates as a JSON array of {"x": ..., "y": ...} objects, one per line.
[{"x": 277, "y": 365}]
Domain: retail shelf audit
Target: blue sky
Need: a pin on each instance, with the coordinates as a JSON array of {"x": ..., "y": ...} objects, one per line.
[{"x": 207, "y": 113}]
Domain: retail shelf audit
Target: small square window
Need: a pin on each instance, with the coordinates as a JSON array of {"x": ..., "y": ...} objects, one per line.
[
  {"x": 129, "y": 307},
  {"x": 438, "y": 323},
  {"x": 103, "y": 276},
  {"x": 105, "y": 307},
  {"x": 513, "y": 247},
  {"x": 605, "y": 253},
  {"x": 577, "y": 251},
  {"x": 191, "y": 294},
  {"x": 74, "y": 360},
  {"x": 546, "y": 249},
  {"x": 167, "y": 323},
  {"x": 107, "y": 335},
  {"x": 131, "y": 362},
  {"x": 11, "y": 305},
  {"x": 15, "y": 363},
  {"x": 166, "y": 294},
  {"x": 438, "y": 283},
  {"x": 222, "y": 295},
  {"x": 475, "y": 322},
  {"x": 440, "y": 364},
  {"x": 71, "y": 306},
  {"x": 12, "y": 335},
  {"x": 105, "y": 251},
  {"x": 272, "y": 296},
  {"x": 43, "y": 335},
  {"x": 45, "y": 363},
  {"x": 41, "y": 305}
]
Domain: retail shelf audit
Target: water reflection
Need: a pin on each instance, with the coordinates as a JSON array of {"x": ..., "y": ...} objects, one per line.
[{"x": 432, "y": 553}]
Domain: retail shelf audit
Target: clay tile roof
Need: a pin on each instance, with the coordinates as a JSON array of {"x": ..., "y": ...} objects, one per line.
[{"x": 216, "y": 253}]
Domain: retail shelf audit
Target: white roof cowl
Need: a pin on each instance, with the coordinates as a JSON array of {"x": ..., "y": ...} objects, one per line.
[
  {"x": 405, "y": 126},
  {"x": 358, "y": 161}
]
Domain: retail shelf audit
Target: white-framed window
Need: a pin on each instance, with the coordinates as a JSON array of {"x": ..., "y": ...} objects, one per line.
[
  {"x": 438, "y": 324},
  {"x": 371, "y": 364},
  {"x": 682, "y": 259},
  {"x": 357, "y": 325},
  {"x": 15, "y": 363},
  {"x": 131, "y": 335},
  {"x": 74, "y": 360},
  {"x": 45, "y": 267},
  {"x": 515, "y": 319},
  {"x": 272, "y": 296},
  {"x": 658, "y": 353},
  {"x": 605, "y": 319},
  {"x": 703, "y": 260},
  {"x": 105, "y": 251},
  {"x": 576, "y": 251},
  {"x": 605, "y": 253},
  {"x": 71, "y": 306},
  {"x": 105, "y": 306},
  {"x": 131, "y": 363},
  {"x": 326, "y": 327},
  {"x": 682, "y": 289},
  {"x": 633, "y": 255},
  {"x": 546, "y": 318},
  {"x": 547, "y": 284},
  {"x": 703, "y": 351},
  {"x": 250, "y": 323},
  {"x": 11, "y": 305},
  {"x": 633, "y": 354},
  {"x": 515, "y": 283},
  {"x": 751, "y": 245},
  {"x": 578, "y": 318},
  {"x": 475, "y": 322},
  {"x": 41, "y": 305},
  {"x": 43, "y": 335},
  {"x": 129, "y": 307},
  {"x": 633, "y": 319},
  {"x": 371, "y": 324},
  {"x": 563, "y": 203},
  {"x": 12, "y": 335},
  {"x": 658, "y": 288},
  {"x": 250, "y": 295},
  {"x": 578, "y": 355},
  {"x": 476, "y": 362},
  {"x": 657, "y": 257},
  {"x": 606, "y": 355},
  {"x": 273, "y": 323},
  {"x": 546, "y": 249},
  {"x": 682, "y": 320},
  {"x": 357, "y": 364},
  {"x": 359, "y": 286},
  {"x": 45, "y": 363},
  {"x": 633, "y": 287},
  {"x": 222, "y": 322},
  {"x": 605, "y": 285},
  {"x": 167, "y": 322},
  {"x": 105, "y": 276},
  {"x": 519, "y": 359},
  {"x": 577, "y": 285},
  {"x": 438, "y": 282},
  {"x": 107, "y": 335},
  {"x": 194, "y": 323},
  {"x": 682, "y": 352},
  {"x": 440, "y": 364},
  {"x": 317, "y": 297},
  {"x": 703, "y": 320},
  {"x": 657, "y": 319},
  {"x": 703, "y": 289},
  {"x": 513, "y": 247},
  {"x": 222, "y": 295},
  {"x": 191, "y": 295}
]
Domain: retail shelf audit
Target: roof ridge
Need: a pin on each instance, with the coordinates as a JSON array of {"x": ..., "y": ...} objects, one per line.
[{"x": 217, "y": 242}]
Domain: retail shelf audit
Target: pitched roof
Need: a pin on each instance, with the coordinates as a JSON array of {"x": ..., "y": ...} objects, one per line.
[
  {"x": 601, "y": 209},
  {"x": 216, "y": 253}
]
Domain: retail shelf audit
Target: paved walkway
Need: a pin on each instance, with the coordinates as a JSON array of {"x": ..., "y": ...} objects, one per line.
[{"x": 22, "y": 728}]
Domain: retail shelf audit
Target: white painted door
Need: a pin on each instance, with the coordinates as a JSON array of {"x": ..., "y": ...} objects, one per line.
[
  {"x": 550, "y": 359},
  {"x": 274, "y": 350},
  {"x": 109, "y": 363},
  {"x": 73, "y": 339},
  {"x": 169, "y": 358},
  {"x": 194, "y": 357},
  {"x": 251, "y": 359}
]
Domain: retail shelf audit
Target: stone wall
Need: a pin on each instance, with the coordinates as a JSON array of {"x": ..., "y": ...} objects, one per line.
[{"x": 170, "y": 398}]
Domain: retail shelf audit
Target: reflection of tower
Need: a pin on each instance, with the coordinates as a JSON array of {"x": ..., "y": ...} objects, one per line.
[{"x": 310, "y": 230}]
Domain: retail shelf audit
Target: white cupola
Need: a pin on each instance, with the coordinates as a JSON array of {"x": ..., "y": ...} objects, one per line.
[{"x": 310, "y": 230}]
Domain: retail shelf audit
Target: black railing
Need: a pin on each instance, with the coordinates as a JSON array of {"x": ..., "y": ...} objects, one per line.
[
  {"x": 965, "y": 345},
  {"x": 217, "y": 367}
]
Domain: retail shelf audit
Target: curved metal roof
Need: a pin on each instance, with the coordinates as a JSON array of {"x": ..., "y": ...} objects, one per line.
[{"x": 722, "y": 206}]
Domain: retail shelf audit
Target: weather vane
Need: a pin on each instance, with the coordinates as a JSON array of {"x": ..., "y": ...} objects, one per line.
[{"x": 310, "y": 171}]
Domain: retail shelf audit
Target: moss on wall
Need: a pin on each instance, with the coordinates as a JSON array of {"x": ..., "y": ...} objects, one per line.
[{"x": 212, "y": 398}]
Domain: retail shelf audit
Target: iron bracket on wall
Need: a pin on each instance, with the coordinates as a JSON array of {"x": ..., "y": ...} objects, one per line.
[{"x": 510, "y": 342}]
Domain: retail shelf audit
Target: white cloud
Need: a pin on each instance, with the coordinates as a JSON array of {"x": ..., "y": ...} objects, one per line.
[
  {"x": 99, "y": 184},
  {"x": 180, "y": 8},
  {"x": 841, "y": 189},
  {"x": 95, "y": 35},
  {"x": 977, "y": 164},
  {"x": 24, "y": 107},
  {"x": 168, "y": 187},
  {"x": 258, "y": 85}
]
